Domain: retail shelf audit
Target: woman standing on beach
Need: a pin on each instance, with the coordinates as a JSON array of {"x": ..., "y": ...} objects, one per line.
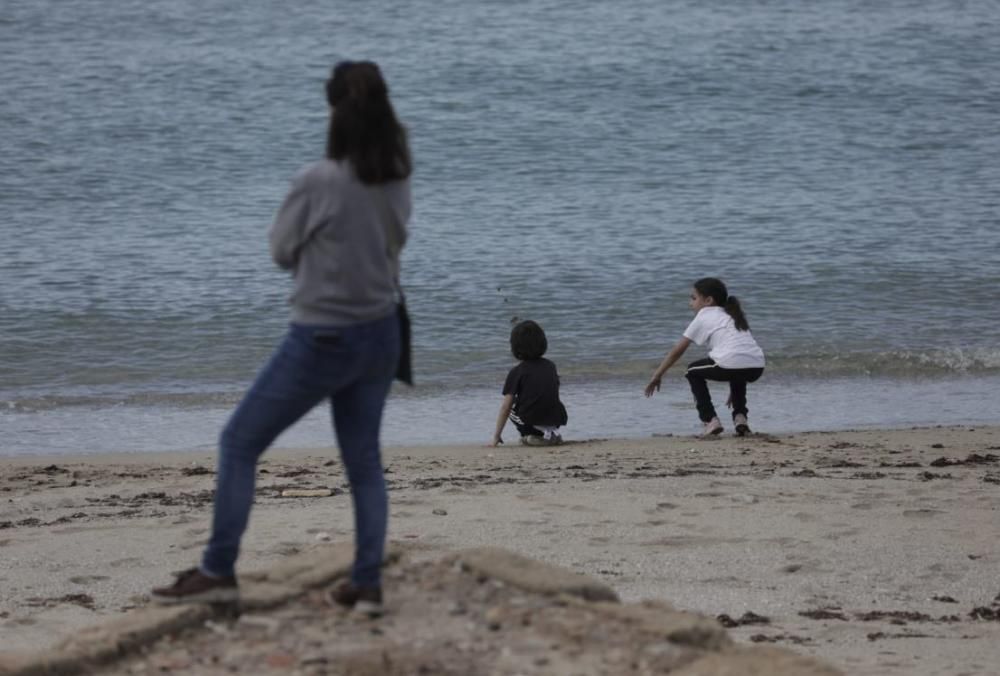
[
  {"x": 733, "y": 354},
  {"x": 340, "y": 231}
]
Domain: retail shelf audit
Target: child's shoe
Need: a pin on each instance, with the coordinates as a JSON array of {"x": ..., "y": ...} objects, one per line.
[
  {"x": 712, "y": 428},
  {"x": 534, "y": 440},
  {"x": 742, "y": 428}
]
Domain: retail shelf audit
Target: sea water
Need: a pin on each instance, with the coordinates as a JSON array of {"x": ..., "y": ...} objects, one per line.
[{"x": 579, "y": 164}]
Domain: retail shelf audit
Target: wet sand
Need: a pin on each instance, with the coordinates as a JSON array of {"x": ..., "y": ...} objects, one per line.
[{"x": 875, "y": 550}]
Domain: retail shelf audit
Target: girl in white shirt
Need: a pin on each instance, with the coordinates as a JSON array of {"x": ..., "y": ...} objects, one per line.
[{"x": 733, "y": 355}]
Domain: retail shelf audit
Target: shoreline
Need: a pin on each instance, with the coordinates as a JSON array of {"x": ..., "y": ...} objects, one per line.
[
  {"x": 297, "y": 453},
  {"x": 831, "y": 524},
  {"x": 606, "y": 409},
  {"x": 289, "y": 453},
  {"x": 277, "y": 450}
]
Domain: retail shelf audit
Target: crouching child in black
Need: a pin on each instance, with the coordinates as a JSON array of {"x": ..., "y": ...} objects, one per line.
[{"x": 531, "y": 391}]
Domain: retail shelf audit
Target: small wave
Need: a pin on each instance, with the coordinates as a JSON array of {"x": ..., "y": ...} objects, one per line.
[
  {"x": 890, "y": 364},
  {"x": 894, "y": 363},
  {"x": 41, "y": 403},
  {"x": 454, "y": 377},
  {"x": 928, "y": 145}
]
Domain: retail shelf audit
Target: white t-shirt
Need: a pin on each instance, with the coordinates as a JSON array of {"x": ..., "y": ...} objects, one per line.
[{"x": 728, "y": 346}]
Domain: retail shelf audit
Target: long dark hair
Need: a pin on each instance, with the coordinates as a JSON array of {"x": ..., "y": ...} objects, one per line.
[
  {"x": 363, "y": 124},
  {"x": 713, "y": 288}
]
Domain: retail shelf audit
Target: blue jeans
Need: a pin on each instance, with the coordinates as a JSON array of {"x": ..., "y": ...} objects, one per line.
[{"x": 352, "y": 366}]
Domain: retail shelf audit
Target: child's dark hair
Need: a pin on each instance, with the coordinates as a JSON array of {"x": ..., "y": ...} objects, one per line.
[
  {"x": 713, "y": 288},
  {"x": 527, "y": 341}
]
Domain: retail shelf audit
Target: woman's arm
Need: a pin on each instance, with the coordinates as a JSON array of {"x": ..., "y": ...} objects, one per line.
[
  {"x": 668, "y": 361},
  {"x": 505, "y": 406},
  {"x": 288, "y": 230}
]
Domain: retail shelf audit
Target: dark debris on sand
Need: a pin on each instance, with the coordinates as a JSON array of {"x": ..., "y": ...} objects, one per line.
[{"x": 744, "y": 619}]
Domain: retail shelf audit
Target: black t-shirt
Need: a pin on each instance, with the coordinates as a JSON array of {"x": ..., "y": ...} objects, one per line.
[{"x": 535, "y": 386}]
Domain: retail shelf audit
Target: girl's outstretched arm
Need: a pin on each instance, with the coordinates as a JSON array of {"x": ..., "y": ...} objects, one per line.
[
  {"x": 668, "y": 361},
  {"x": 505, "y": 406}
]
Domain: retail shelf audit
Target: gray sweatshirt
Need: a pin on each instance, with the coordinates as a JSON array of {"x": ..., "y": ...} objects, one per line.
[{"x": 341, "y": 239}]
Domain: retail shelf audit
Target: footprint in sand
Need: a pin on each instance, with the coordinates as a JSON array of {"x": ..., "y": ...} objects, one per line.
[
  {"x": 802, "y": 566},
  {"x": 691, "y": 541},
  {"x": 725, "y": 484},
  {"x": 130, "y": 561},
  {"x": 409, "y": 502},
  {"x": 784, "y": 542},
  {"x": 87, "y": 579},
  {"x": 285, "y": 548},
  {"x": 841, "y": 534},
  {"x": 726, "y": 581}
]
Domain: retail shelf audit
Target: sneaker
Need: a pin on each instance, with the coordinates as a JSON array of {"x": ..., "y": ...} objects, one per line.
[
  {"x": 742, "y": 429},
  {"x": 363, "y": 600},
  {"x": 533, "y": 440},
  {"x": 193, "y": 586},
  {"x": 712, "y": 428}
]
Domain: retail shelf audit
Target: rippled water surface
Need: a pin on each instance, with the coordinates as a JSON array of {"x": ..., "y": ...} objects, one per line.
[{"x": 577, "y": 164}]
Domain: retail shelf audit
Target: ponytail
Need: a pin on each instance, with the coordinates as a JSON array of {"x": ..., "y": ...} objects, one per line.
[
  {"x": 734, "y": 310},
  {"x": 713, "y": 288}
]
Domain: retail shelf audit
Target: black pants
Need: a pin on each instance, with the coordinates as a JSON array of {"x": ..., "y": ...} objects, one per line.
[
  {"x": 523, "y": 428},
  {"x": 703, "y": 370},
  {"x": 526, "y": 429}
]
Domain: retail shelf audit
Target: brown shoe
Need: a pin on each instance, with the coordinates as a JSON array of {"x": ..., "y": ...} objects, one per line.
[
  {"x": 193, "y": 586},
  {"x": 364, "y": 600}
]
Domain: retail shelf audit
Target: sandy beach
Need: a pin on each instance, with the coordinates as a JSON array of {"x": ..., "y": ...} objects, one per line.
[{"x": 875, "y": 550}]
